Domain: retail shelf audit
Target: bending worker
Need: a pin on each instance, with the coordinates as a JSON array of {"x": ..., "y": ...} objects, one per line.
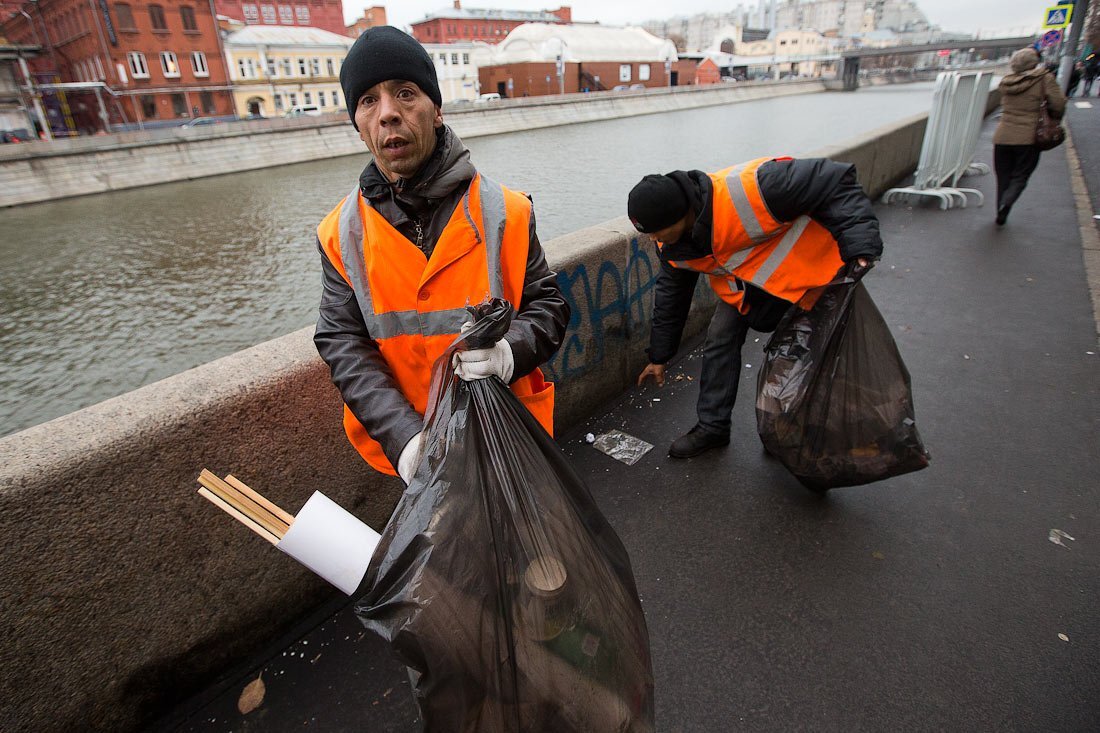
[
  {"x": 421, "y": 235},
  {"x": 764, "y": 232}
]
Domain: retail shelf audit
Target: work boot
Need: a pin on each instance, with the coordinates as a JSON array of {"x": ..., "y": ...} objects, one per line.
[{"x": 698, "y": 440}]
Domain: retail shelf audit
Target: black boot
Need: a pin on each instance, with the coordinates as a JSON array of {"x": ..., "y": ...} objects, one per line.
[
  {"x": 1002, "y": 215},
  {"x": 698, "y": 440}
]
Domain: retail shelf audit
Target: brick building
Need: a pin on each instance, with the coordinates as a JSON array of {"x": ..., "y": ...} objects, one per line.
[
  {"x": 592, "y": 58},
  {"x": 481, "y": 24},
  {"x": 124, "y": 62},
  {"x": 372, "y": 18},
  {"x": 324, "y": 14}
]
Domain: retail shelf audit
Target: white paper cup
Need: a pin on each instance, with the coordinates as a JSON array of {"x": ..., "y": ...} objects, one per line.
[{"x": 331, "y": 542}]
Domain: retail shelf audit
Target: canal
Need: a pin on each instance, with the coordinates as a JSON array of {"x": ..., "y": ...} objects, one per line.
[{"x": 103, "y": 294}]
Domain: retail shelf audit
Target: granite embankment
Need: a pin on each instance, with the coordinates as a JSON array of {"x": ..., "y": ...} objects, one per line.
[{"x": 43, "y": 171}]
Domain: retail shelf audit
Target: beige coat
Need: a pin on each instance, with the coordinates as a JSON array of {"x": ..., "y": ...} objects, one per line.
[{"x": 1021, "y": 95}]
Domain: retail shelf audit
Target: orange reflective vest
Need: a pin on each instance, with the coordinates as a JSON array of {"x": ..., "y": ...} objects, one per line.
[
  {"x": 414, "y": 307},
  {"x": 748, "y": 244}
]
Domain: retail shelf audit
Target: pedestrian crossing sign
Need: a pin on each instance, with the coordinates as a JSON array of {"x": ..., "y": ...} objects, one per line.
[{"x": 1058, "y": 16}]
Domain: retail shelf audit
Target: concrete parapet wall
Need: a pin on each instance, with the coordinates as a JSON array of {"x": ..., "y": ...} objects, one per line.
[
  {"x": 124, "y": 591},
  {"x": 42, "y": 171}
]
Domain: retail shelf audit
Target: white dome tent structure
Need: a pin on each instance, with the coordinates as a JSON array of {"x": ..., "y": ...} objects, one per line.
[{"x": 540, "y": 58}]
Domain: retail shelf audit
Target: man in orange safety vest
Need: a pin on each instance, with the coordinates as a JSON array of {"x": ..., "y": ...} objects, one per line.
[
  {"x": 421, "y": 235},
  {"x": 765, "y": 233}
]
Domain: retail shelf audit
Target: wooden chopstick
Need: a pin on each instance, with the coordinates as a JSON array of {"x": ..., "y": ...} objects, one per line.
[
  {"x": 247, "y": 502},
  {"x": 242, "y": 503},
  {"x": 233, "y": 512},
  {"x": 285, "y": 517}
]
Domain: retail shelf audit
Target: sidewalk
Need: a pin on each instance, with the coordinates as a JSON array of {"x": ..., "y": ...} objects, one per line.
[{"x": 932, "y": 601}]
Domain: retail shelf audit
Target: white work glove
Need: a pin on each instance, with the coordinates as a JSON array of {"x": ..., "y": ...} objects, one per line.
[
  {"x": 482, "y": 363},
  {"x": 406, "y": 464}
]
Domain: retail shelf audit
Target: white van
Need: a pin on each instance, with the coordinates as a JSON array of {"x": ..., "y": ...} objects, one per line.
[
  {"x": 299, "y": 110},
  {"x": 490, "y": 97}
]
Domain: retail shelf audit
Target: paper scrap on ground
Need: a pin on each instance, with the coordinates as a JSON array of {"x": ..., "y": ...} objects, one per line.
[
  {"x": 1056, "y": 536},
  {"x": 622, "y": 447}
]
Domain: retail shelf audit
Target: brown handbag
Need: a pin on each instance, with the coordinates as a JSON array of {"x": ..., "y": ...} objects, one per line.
[{"x": 1049, "y": 133}]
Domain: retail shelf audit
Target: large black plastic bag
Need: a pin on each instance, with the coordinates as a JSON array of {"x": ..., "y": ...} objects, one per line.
[
  {"x": 835, "y": 404},
  {"x": 497, "y": 580}
]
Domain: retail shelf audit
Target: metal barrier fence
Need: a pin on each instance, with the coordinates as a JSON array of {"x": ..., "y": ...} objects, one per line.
[{"x": 959, "y": 101}]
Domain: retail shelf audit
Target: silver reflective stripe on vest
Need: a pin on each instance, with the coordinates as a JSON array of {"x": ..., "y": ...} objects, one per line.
[
  {"x": 493, "y": 219},
  {"x": 737, "y": 258},
  {"x": 775, "y": 259},
  {"x": 432, "y": 323},
  {"x": 351, "y": 253},
  {"x": 404, "y": 323},
  {"x": 686, "y": 265},
  {"x": 740, "y": 198}
]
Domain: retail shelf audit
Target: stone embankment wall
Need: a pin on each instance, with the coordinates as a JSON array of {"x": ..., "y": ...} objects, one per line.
[
  {"x": 42, "y": 171},
  {"x": 123, "y": 591}
]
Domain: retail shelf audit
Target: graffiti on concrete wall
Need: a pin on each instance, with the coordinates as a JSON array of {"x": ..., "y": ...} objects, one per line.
[{"x": 609, "y": 306}]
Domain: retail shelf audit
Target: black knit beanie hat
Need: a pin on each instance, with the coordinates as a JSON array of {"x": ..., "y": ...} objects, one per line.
[
  {"x": 655, "y": 203},
  {"x": 385, "y": 53}
]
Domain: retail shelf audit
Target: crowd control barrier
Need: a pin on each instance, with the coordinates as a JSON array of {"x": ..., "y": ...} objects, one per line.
[{"x": 959, "y": 102}]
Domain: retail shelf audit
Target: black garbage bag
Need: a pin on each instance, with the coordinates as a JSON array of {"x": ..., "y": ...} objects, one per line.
[
  {"x": 834, "y": 401},
  {"x": 498, "y": 582}
]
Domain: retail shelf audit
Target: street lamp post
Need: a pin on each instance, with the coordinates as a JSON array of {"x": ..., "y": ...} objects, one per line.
[{"x": 1069, "y": 50}]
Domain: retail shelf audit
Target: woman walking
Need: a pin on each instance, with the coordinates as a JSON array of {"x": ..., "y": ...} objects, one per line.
[{"x": 1015, "y": 154}]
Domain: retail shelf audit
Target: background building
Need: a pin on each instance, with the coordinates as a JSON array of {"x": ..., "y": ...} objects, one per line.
[
  {"x": 457, "y": 65},
  {"x": 148, "y": 62},
  {"x": 481, "y": 24},
  {"x": 372, "y": 18},
  {"x": 538, "y": 59},
  {"x": 18, "y": 114},
  {"x": 275, "y": 68},
  {"x": 325, "y": 14},
  {"x": 832, "y": 18}
]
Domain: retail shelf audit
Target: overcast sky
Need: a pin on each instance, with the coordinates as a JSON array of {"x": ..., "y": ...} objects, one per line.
[{"x": 966, "y": 16}]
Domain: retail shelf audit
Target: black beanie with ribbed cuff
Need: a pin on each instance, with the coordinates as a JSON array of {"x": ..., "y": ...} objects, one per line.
[
  {"x": 385, "y": 53},
  {"x": 655, "y": 203}
]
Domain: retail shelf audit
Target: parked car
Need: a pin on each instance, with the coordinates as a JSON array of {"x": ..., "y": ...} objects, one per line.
[
  {"x": 636, "y": 87},
  {"x": 489, "y": 97},
  {"x": 200, "y": 121},
  {"x": 300, "y": 110},
  {"x": 21, "y": 135},
  {"x": 619, "y": 88}
]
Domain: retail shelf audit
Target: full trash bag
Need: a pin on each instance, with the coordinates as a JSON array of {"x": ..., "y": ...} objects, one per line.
[
  {"x": 498, "y": 582},
  {"x": 835, "y": 403}
]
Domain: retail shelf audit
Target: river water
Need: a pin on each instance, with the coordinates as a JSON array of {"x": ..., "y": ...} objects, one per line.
[{"x": 103, "y": 294}]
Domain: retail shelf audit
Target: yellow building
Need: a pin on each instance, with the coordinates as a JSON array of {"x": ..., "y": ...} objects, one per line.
[{"x": 277, "y": 70}]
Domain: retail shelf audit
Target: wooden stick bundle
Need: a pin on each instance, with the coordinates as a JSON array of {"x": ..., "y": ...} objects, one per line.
[{"x": 246, "y": 505}]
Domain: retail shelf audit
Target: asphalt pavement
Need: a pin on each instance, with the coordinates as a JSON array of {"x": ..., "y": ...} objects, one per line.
[{"x": 961, "y": 597}]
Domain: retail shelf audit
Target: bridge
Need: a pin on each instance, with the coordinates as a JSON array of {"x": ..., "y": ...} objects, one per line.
[{"x": 848, "y": 68}]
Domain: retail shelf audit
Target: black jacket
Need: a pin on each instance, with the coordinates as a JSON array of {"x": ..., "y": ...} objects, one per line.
[
  {"x": 825, "y": 190},
  {"x": 358, "y": 369}
]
